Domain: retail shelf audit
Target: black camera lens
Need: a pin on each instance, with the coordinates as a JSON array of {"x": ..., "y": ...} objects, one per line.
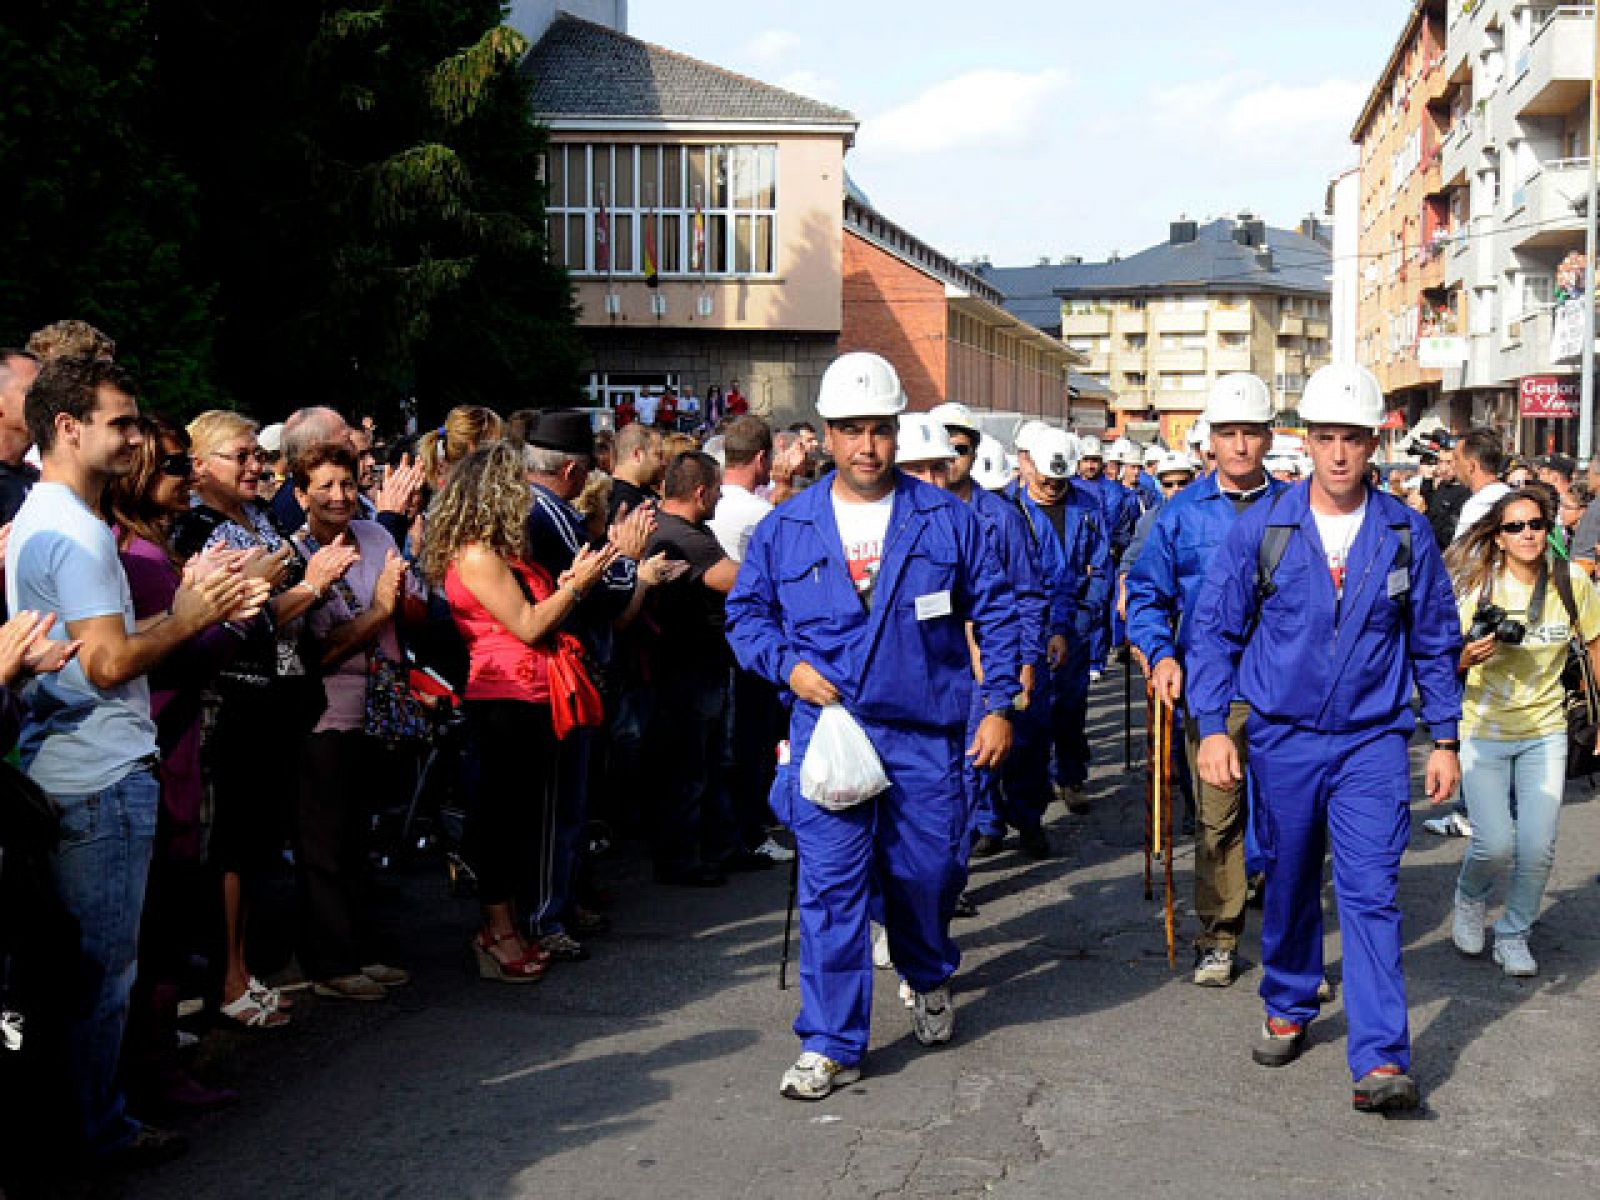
[
  {"x": 1485, "y": 621},
  {"x": 1510, "y": 632}
]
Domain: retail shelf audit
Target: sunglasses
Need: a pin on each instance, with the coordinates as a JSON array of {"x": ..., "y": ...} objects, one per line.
[
  {"x": 1173, "y": 484},
  {"x": 242, "y": 456},
  {"x": 963, "y": 451},
  {"x": 1537, "y": 524},
  {"x": 177, "y": 466}
]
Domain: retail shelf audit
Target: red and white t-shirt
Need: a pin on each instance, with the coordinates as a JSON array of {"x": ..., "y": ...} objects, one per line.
[
  {"x": 862, "y": 528},
  {"x": 1338, "y": 534}
]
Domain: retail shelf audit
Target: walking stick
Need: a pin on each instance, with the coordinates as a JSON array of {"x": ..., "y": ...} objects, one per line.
[
  {"x": 1127, "y": 714},
  {"x": 1166, "y": 780},
  {"x": 1149, "y": 779},
  {"x": 788, "y": 922}
]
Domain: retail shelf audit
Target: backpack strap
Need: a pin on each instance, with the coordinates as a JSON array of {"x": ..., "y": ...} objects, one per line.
[
  {"x": 1274, "y": 541},
  {"x": 1561, "y": 576}
]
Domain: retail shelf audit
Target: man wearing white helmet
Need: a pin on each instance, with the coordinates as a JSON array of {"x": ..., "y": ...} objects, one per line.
[
  {"x": 1067, "y": 526},
  {"x": 1322, "y": 611},
  {"x": 1121, "y": 514},
  {"x": 1018, "y": 557},
  {"x": 1162, "y": 587},
  {"x": 859, "y": 592},
  {"x": 990, "y": 470}
]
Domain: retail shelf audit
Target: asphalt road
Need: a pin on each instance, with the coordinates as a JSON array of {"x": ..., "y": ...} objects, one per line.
[{"x": 1082, "y": 1065}]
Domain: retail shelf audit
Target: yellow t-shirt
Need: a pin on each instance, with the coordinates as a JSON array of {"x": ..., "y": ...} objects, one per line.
[{"x": 1516, "y": 694}]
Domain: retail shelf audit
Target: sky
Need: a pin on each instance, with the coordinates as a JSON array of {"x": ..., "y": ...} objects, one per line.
[{"x": 1022, "y": 129}]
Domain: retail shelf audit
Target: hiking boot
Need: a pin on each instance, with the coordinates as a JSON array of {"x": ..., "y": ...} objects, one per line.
[
  {"x": 1512, "y": 957},
  {"x": 1034, "y": 842},
  {"x": 1385, "y": 1089},
  {"x": 933, "y": 1016},
  {"x": 988, "y": 845},
  {"x": 1076, "y": 802},
  {"x": 1466, "y": 928},
  {"x": 1213, "y": 967},
  {"x": 1279, "y": 1043},
  {"x": 814, "y": 1075}
]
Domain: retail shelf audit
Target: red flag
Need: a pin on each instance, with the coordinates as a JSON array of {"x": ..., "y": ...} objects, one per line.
[
  {"x": 697, "y": 251},
  {"x": 650, "y": 277},
  {"x": 602, "y": 239}
]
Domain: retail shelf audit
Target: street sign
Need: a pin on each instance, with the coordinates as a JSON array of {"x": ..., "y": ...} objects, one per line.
[
  {"x": 1439, "y": 352},
  {"x": 1549, "y": 396}
]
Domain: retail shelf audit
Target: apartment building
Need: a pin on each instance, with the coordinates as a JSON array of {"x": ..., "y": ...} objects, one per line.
[
  {"x": 1227, "y": 295},
  {"x": 1514, "y": 164},
  {"x": 1407, "y": 319}
]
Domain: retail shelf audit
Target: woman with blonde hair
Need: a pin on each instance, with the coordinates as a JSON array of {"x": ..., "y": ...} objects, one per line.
[
  {"x": 507, "y": 609},
  {"x": 466, "y": 428},
  {"x": 1518, "y": 603}
]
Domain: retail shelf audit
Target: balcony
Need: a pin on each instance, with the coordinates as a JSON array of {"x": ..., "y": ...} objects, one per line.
[
  {"x": 1099, "y": 363},
  {"x": 1182, "y": 320},
  {"x": 1549, "y": 220},
  {"x": 1525, "y": 347},
  {"x": 1236, "y": 319},
  {"x": 1291, "y": 325},
  {"x": 1291, "y": 362},
  {"x": 1224, "y": 359},
  {"x": 1081, "y": 324},
  {"x": 1552, "y": 75},
  {"x": 1459, "y": 153},
  {"x": 1176, "y": 401},
  {"x": 1316, "y": 328},
  {"x": 1130, "y": 320},
  {"x": 1131, "y": 399},
  {"x": 1177, "y": 360}
]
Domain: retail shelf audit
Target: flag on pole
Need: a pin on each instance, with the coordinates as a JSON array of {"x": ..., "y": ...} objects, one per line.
[
  {"x": 650, "y": 277},
  {"x": 602, "y": 239},
  {"x": 697, "y": 250}
]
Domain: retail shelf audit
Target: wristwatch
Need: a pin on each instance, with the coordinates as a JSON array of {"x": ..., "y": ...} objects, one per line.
[{"x": 1451, "y": 744}]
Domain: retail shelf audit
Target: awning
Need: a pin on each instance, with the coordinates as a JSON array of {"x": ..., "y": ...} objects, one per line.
[{"x": 1395, "y": 420}]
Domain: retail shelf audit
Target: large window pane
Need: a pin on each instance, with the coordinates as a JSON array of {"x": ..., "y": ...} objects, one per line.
[
  {"x": 699, "y": 196},
  {"x": 669, "y": 252},
  {"x": 764, "y": 245},
  {"x": 577, "y": 251},
  {"x": 743, "y": 259},
  {"x": 716, "y": 243},
  {"x": 556, "y": 177},
  {"x": 600, "y": 158},
  {"x": 622, "y": 242},
  {"x": 672, "y": 176},
  {"x": 767, "y": 177},
  {"x": 625, "y": 196},
  {"x": 742, "y": 175},
  {"x": 577, "y": 177},
  {"x": 718, "y": 168}
]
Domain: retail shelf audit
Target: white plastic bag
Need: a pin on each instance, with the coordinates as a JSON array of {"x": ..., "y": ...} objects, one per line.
[{"x": 840, "y": 769}]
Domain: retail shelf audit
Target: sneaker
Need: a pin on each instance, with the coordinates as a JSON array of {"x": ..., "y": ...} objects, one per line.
[
  {"x": 1325, "y": 991},
  {"x": 350, "y": 987},
  {"x": 907, "y": 996},
  {"x": 1279, "y": 1043},
  {"x": 775, "y": 850},
  {"x": 933, "y": 1016},
  {"x": 1466, "y": 929},
  {"x": 988, "y": 845},
  {"x": 1213, "y": 967},
  {"x": 880, "y": 948},
  {"x": 965, "y": 907},
  {"x": 563, "y": 947},
  {"x": 1384, "y": 1089},
  {"x": 814, "y": 1075},
  {"x": 1076, "y": 802},
  {"x": 1511, "y": 954},
  {"x": 1035, "y": 843},
  {"x": 389, "y": 977},
  {"x": 1452, "y": 824},
  {"x": 1094, "y": 676}
]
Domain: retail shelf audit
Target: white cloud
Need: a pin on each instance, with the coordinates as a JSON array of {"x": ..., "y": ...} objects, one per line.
[
  {"x": 812, "y": 85},
  {"x": 1245, "y": 117},
  {"x": 771, "y": 47},
  {"x": 987, "y": 108}
]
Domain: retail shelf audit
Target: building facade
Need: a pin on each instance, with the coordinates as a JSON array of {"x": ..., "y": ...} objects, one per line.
[
  {"x": 1407, "y": 319},
  {"x": 1229, "y": 295},
  {"x": 1514, "y": 166}
]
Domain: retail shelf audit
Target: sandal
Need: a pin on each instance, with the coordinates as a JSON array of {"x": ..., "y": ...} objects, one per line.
[
  {"x": 252, "y": 1012},
  {"x": 526, "y": 968},
  {"x": 269, "y": 996}
]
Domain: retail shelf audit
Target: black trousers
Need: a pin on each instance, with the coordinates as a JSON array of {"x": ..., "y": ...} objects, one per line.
[
  {"x": 509, "y": 835},
  {"x": 693, "y": 821},
  {"x": 340, "y": 773}
]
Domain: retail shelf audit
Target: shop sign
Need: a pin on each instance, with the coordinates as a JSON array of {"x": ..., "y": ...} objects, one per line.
[
  {"x": 1549, "y": 396},
  {"x": 1440, "y": 352}
]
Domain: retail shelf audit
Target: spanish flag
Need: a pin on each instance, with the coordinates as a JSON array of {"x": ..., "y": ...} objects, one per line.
[{"x": 651, "y": 279}]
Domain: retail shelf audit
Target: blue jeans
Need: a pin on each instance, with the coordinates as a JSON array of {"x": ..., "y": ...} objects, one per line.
[
  {"x": 1536, "y": 770},
  {"x": 101, "y": 866}
]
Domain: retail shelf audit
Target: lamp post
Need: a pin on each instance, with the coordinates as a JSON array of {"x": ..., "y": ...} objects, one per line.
[{"x": 1586, "y": 400}]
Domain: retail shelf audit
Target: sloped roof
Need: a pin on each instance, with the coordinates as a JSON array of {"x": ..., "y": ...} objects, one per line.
[
  {"x": 584, "y": 70},
  {"x": 1030, "y": 292},
  {"x": 1213, "y": 262}
]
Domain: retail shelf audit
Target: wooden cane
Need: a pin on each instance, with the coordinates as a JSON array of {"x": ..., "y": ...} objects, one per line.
[
  {"x": 1149, "y": 782},
  {"x": 1166, "y": 776}
]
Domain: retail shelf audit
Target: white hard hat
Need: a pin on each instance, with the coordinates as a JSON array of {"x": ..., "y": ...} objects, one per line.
[
  {"x": 1152, "y": 455},
  {"x": 1343, "y": 394},
  {"x": 1089, "y": 447},
  {"x": 1027, "y": 431},
  {"x": 1054, "y": 453},
  {"x": 1240, "y": 397},
  {"x": 957, "y": 416},
  {"x": 270, "y": 439},
  {"x": 1170, "y": 462},
  {"x": 922, "y": 439},
  {"x": 1124, "y": 451},
  {"x": 1199, "y": 432},
  {"x": 860, "y": 384},
  {"x": 989, "y": 467}
]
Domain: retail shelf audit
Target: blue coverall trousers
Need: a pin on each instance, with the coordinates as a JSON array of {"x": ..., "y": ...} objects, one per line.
[{"x": 1350, "y": 790}]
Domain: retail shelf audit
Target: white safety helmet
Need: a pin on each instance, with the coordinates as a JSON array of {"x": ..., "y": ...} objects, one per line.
[
  {"x": 922, "y": 439},
  {"x": 860, "y": 384},
  {"x": 1199, "y": 433},
  {"x": 1027, "y": 431},
  {"x": 1239, "y": 398},
  {"x": 1172, "y": 462},
  {"x": 957, "y": 416},
  {"x": 1343, "y": 394},
  {"x": 1124, "y": 451},
  {"x": 1152, "y": 455},
  {"x": 989, "y": 467},
  {"x": 1089, "y": 447},
  {"x": 1054, "y": 453}
]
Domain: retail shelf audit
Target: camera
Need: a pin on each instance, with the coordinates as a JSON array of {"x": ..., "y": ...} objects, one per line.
[
  {"x": 1429, "y": 446},
  {"x": 1491, "y": 618}
]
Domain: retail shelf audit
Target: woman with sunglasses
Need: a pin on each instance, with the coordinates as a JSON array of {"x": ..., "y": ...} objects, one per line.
[
  {"x": 1513, "y": 598},
  {"x": 267, "y": 700}
]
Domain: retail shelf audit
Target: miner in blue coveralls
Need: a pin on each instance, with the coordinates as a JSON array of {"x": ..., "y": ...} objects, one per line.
[
  {"x": 1120, "y": 513},
  {"x": 1043, "y": 638},
  {"x": 859, "y": 592},
  {"x": 1162, "y": 585},
  {"x": 1068, "y": 529},
  {"x": 1325, "y": 644}
]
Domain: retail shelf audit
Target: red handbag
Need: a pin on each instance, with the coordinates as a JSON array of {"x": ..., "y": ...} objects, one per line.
[{"x": 574, "y": 700}]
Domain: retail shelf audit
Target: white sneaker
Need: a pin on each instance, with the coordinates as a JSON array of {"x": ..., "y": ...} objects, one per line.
[
  {"x": 775, "y": 850},
  {"x": 933, "y": 1016},
  {"x": 907, "y": 996},
  {"x": 814, "y": 1075},
  {"x": 1452, "y": 824},
  {"x": 1214, "y": 967},
  {"x": 1513, "y": 958},
  {"x": 1094, "y": 676},
  {"x": 1466, "y": 930},
  {"x": 880, "y": 948}
]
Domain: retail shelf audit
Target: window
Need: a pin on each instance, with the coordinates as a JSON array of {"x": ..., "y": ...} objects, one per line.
[
  {"x": 691, "y": 209},
  {"x": 1134, "y": 343},
  {"x": 1538, "y": 293},
  {"x": 1183, "y": 341},
  {"x": 1233, "y": 341}
]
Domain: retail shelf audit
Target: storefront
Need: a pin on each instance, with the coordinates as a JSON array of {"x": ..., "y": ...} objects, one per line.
[{"x": 1548, "y": 411}]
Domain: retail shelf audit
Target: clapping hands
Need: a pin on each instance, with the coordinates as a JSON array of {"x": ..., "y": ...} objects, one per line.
[{"x": 25, "y": 647}]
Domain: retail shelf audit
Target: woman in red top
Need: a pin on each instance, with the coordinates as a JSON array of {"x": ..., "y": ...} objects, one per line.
[{"x": 504, "y": 607}]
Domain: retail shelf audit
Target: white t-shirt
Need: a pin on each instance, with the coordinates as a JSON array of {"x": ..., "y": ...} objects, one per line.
[
  {"x": 1477, "y": 504},
  {"x": 76, "y": 738},
  {"x": 646, "y": 408},
  {"x": 738, "y": 513},
  {"x": 862, "y": 528},
  {"x": 1338, "y": 533}
]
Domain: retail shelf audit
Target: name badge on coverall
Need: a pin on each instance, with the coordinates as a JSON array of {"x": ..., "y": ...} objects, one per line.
[
  {"x": 1399, "y": 582},
  {"x": 934, "y": 604}
]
